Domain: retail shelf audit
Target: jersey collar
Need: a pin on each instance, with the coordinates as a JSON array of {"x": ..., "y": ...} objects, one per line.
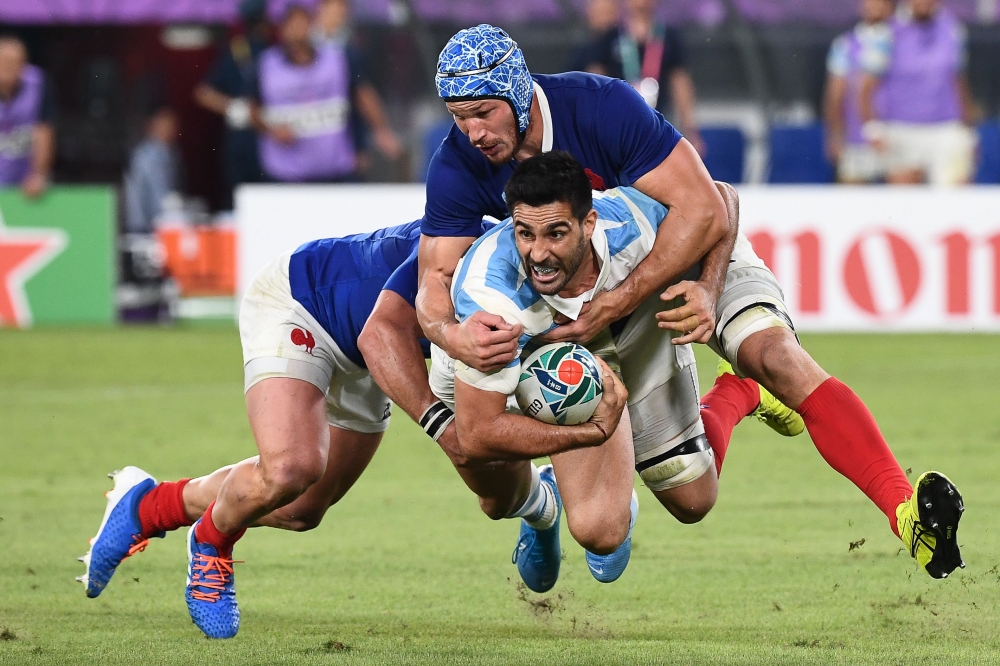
[
  {"x": 543, "y": 106},
  {"x": 571, "y": 306}
]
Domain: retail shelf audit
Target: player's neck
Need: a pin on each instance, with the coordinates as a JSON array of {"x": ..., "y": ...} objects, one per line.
[
  {"x": 532, "y": 144},
  {"x": 585, "y": 277}
]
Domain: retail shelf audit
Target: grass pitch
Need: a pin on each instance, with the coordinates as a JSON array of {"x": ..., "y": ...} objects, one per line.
[{"x": 406, "y": 569}]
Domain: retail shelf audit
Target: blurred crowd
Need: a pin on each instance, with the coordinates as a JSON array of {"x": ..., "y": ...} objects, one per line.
[
  {"x": 897, "y": 104},
  {"x": 299, "y": 106}
]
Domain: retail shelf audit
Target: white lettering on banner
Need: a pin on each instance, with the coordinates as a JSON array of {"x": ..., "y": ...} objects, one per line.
[
  {"x": 310, "y": 118},
  {"x": 848, "y": 258},
  {"x": 917, "y": 259}
]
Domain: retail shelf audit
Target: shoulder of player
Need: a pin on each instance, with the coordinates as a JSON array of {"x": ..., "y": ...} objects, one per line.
[{"x": 569, "y": 87}]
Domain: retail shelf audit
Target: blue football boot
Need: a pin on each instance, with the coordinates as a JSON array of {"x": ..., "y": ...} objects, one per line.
[
  {"x": 609, "y": 568},
  {"x": 120, "y": 534},
  {"x": 211, "y": 590},
  {"x": 538, "y": 554}
]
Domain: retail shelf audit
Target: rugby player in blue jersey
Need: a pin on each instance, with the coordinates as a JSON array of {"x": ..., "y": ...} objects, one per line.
[
  {"x": 504, "y": 115},
  {"x": 316, "y": 414}
]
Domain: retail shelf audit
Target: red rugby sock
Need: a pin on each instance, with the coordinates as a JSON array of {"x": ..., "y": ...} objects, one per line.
[
  {"x": 207, "y": 532},
  {"x": 846, "y": 435},
  {"x": 162, "y": 509},
  {"x": 725, "y": 405}
]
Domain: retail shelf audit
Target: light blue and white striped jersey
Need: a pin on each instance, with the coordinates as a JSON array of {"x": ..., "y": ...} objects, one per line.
[{"x": 491, "y": 277}]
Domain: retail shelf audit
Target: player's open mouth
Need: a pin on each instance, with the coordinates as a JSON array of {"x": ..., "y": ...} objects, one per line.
[
  {"x": 490, "y": 150},
  {"x": 544, "y": 274}
]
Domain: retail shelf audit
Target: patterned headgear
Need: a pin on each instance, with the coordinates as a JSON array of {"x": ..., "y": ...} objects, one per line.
[{"x": 484, "y": 62}]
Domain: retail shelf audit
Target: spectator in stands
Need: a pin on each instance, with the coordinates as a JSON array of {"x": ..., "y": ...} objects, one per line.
[
  {"x": 27, "y": 136},
  {"x": 154, "y": 171},
  {"x": 856, "y": 160},
  {"x": 603, "y": 17},
  {"x": 915, "y": 98},
  {"x": 650, "y": 56},
  {"x": 333, "y": 22},
  {"x": 304, "y": 100},
  {"x": 332, "y": 26},
  {"x": 228, "y": 91}
]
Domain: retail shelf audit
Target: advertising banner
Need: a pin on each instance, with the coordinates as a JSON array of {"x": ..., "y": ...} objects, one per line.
[
  {"x": 57, "y": 257},
  {"x": 848, "y": 258}
]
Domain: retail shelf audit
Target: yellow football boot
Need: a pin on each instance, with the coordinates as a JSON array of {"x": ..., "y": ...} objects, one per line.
[
  {"x": 928, "y": 524},
  {"x": 771, "y": 411}
]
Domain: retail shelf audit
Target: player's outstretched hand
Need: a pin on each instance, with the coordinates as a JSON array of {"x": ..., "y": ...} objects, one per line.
[
  {"x": 484, "y": 341},
  {"x": 609, "y": 411},
  {"x": 695, "y": 319},
  {"x": 595, "y": 315}
]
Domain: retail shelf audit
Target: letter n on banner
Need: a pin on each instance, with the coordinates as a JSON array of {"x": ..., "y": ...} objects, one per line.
[{"x": 807, "y": 245}]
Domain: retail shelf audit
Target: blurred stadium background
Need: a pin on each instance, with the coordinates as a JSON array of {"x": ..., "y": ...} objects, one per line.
[
  {"x": 117, "y": 234},
  {"x": 160, "y": 237}
]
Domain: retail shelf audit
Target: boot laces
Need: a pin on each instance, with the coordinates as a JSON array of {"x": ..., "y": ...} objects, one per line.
[{"x": 211, "y": 574}]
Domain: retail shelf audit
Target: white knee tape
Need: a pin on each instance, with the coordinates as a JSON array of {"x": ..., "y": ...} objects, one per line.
[
  {"x": 753, "y": 320},
  {"x": 679, "y": 466}
]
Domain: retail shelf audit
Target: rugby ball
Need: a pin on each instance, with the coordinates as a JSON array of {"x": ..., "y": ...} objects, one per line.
[{"x": 560, "y": 383}]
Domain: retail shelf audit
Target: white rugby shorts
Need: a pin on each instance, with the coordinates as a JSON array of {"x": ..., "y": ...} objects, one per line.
[
  {"x": 751, "y": 301},
  {"x": 945, "y": 152},
  {"x": 281, "y": 339}
]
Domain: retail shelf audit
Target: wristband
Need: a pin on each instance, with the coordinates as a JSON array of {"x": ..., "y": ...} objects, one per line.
[
  {"x": 435, "y": 419},
  {"x": 601, "y": 428}
]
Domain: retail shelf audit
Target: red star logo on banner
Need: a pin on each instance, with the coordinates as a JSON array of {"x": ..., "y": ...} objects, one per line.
[{"x": 23, "y": 252}]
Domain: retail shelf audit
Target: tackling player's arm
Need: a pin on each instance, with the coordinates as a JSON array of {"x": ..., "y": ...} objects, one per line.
[
  {"x": 666, "y": 167},
  {"x": 487, "y": 431},
  {"x": 483, "y": 341},
  {"x": 696, "y": 317},
  {"x": 390, "y": 344}
]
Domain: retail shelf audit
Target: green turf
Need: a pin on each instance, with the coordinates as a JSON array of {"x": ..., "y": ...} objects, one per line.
[{"x": 405, "y": 569}]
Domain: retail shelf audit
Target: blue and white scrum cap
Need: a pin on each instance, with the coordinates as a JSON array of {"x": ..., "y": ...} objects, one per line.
[{"x": 484, "y": 62}]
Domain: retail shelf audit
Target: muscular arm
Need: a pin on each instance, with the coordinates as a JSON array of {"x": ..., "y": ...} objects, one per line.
[
  {"x": 483, "y": 341},
  {"x": 697, "y": 226},
  {"x": 487, "y": 431},
  {"x": 390, "y": 344}
]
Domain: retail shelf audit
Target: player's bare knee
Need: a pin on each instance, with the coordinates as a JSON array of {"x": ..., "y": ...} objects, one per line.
[
  {"x": 774, "y": 358},
  {"x": 289, "y": 479},
  {"x": 600, "y": 531},
  {"x": 308, "y": 520}
]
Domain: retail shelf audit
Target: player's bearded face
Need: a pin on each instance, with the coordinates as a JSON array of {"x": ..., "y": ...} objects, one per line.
[
  {"x": 552, "y": 245},
  {"x": 490, "y": 126}
]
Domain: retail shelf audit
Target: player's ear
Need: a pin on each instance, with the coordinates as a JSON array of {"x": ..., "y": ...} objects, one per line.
[{"x": 589, "y": 222}]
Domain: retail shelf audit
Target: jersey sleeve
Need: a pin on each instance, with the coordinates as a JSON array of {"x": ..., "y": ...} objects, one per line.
[
  {"x": 403, "y": 280},
  {"x": 635, "y": 137},
  {"x": 876, "y": 51},
  {"x": 451, "y": 208},
  {"x": 838, "y": 61},
  {"x": 471, "y": 296}
]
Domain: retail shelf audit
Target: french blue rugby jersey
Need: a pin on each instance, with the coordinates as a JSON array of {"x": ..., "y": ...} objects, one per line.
[
  {"x": 602, "y": 122},
  {"x": 338, "y": 280}
]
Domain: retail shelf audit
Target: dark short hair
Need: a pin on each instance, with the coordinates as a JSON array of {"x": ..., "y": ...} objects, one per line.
[{"x": 548, "y": 178}]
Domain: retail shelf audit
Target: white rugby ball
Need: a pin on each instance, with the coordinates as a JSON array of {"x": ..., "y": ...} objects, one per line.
[{"x": 560, "y": 384}]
